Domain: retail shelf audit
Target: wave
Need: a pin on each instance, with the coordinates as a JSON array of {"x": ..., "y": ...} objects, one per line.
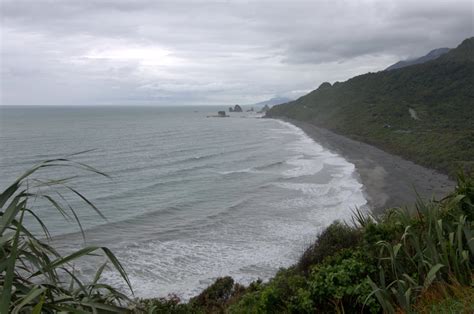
[
  {"x": 246, "y": 170},
  {"x": 151, "y": 186},
  {"x": 256, "y": 169},
  {"x": 243, "y": 201},
  {"x": 270, "y": 165}
]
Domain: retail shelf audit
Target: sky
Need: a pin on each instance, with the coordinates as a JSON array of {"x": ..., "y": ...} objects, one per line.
[{"x": 176, "y": 52}]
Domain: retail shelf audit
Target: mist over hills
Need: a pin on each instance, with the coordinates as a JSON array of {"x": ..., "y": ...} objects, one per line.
[
  {"x": 272, "y": 102},
  {"x": 422, "y": 112},
  {"x": 433, "y": 54}
]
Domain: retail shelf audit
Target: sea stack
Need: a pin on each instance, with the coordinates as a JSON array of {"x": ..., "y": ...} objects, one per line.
[{"x": 237, "y": 108}]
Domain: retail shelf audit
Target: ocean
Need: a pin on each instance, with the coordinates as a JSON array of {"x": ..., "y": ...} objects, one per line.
[{"x": 189, "y": 198}]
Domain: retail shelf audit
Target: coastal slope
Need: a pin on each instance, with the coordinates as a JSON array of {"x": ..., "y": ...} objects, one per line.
[
  {"x": 396, "y": 126},
  {"x": 422, "y": 113},
  {"x": 389, "y": 180}
]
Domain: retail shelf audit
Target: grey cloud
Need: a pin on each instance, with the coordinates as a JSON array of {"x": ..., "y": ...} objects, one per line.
[{"x": 209, "y": 51}]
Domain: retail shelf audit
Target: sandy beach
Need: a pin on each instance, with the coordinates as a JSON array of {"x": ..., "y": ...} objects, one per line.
[{"x": 389, "y": 180}]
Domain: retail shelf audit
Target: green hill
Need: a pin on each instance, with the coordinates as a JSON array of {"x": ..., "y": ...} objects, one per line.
[{"x": 423, "y": 112}]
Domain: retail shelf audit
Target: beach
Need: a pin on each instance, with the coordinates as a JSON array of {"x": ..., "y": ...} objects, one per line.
[{"x": 389, "y": 180}]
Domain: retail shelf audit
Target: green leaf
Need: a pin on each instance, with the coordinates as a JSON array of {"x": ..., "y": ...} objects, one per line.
[
  {"x": 118, "y": 266},
  {"x": 431, "y": 275},
  {"x": 38, "y": 307},
  {"x": 10, "y": 213},
  {"x": 99, "y": 273},
  {"x": 5, "y": 300},
  {"x": 33, "y": 294},
  {"x": 66, "y": 259},
  {"x": 381, "y": 297},
  {"x": 8, "y": 193}
]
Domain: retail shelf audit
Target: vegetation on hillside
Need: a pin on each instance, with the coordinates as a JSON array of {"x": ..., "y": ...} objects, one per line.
[{"x": 375, "y": 108}]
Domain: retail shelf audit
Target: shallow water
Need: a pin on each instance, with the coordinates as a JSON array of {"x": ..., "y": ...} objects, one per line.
[{"x": 190, "y": 198}]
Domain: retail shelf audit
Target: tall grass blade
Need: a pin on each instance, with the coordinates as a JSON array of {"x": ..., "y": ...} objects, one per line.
[
  {"x": 33, "y": 294},
  {"x": 431, "y": 275}
]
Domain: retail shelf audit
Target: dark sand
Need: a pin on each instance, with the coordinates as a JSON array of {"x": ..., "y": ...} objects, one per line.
[{"x": 389, "y": 180}]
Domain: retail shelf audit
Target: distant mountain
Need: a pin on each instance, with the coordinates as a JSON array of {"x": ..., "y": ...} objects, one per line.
[
  {"x": 272, "y": 102},
  {"x": 423, "y": 112},
  {"x": 433, "y": 54}
]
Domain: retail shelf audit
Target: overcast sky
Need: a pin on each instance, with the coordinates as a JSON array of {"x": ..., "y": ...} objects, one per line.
[{"x": 89, "y": 52}]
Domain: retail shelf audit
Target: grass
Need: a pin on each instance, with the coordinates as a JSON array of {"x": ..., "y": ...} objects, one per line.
[{"x": 452, "y": 298}]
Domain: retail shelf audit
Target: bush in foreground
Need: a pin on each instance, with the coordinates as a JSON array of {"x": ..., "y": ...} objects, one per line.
[
  {"x": 34, "y": 277},
  {"x": 333, "y": 239}
]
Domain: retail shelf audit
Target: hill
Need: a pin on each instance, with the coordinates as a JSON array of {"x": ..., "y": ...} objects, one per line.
[
  {"x": 433, "y": 54},
  {"x": 422, "y": 112}
]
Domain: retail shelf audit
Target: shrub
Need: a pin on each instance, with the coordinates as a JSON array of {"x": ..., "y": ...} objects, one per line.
[
  {"x": 341, "y": 282},
  {"x": 249, "y": 301},
  {"x": 463, "y": 198},
  {"x": 283, "y": 293},
  {"x": 388, "y": 229},
  {"x": 332, "y": 240},
  {"x": 218, "y": 296},
  {"x": 214, "y": 297},
  {"x": 170, "y": 305}
]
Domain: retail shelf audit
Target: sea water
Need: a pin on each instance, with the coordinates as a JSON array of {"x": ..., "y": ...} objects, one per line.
[{"x": 189, "y": 198}]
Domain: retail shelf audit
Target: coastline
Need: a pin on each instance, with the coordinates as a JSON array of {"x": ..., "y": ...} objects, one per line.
[{"x": 389, "y": 180}]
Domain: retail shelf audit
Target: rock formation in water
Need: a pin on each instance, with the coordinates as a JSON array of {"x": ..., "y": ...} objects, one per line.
[
  {"x": 237, "y": 108},
  {"x": 264, "y": 109}
]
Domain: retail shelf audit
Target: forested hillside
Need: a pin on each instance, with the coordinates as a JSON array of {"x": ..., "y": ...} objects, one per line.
[{"x": 423, "y": 112}]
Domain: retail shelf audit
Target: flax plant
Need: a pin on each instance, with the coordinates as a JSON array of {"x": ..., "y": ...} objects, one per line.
[
  {"x": 437, "y": 245},
  {"x": 34, "y": 276}
]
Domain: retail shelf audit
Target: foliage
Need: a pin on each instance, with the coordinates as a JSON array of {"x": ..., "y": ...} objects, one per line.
[
  {"x": 436, "y": 246},
  {"x": 342, "y": 283},
  {"x": 286, "y": 292},
  {"x": 440, "y": 299},
  {"x": 33, "y": 275},
  {"x": 216, "y": 294},
  {"x": 333, "y": 239},
  {"x": 374, "y": 108},
  {"x": 216, "y": 297},
  {"x": 339, "y": 282},
  {"x": 170, "y": 305},
  {"x": 463, "y": 199}
]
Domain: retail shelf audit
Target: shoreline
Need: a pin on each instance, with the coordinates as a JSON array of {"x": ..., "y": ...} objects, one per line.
[{"x": 389, "y": 180}]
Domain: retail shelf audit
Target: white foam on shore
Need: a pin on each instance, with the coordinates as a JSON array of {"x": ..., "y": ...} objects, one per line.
[
  {"x": 247, "y": 246},
  {"x": 310, "y": 156}
]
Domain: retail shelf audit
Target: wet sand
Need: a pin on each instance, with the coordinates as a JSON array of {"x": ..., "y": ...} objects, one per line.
[{"x": 389, "y": 180}]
